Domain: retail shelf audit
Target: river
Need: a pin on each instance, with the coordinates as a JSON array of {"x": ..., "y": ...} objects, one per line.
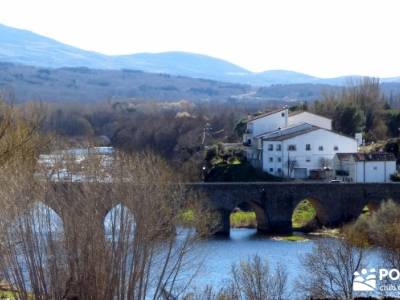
[{"x": 220, "y": 253}]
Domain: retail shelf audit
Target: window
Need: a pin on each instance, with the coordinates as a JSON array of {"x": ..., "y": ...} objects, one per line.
[
  {"x": 279, "y": 159},
  {"x": 292, "y": 148},
  {"x": 283, "y": 114},
  {"x": 308, "y": 159},
  {"x": 321, "y": 148},
  {"x": 270, "y": 147},
  {"x": 278, "y": 147},
  {"x": 271, "y": 169},
  {"x": 249, "y": 142},
  {"x": 271, "y": 159},
  {"x": 335, "y": 148},
  {"x": 308, "y": 147},
  {"x": 279, "y": 170},
  {"x": 375, "y": 168}
]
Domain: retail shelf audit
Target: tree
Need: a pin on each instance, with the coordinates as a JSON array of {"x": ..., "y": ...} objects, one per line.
[
  {"x": 357, "y": 107},
  {"x": 329, "y": 269},
  {"x": 348, "y": 120},
  {"x": 240, "y": 128},
  {"x": 291, "y": 165},
  {"x": 20, "y": 139},
  {"x": 131, "y": 254},
  {"x": 382, "y": 229},
  {"x": 252, "y": 279}
]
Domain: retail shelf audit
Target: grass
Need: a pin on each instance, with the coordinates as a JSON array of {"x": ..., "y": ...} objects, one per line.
[
  {"x": 303, "y": 214},
  {"x": 366, "y": 211},
  {"x": 11, "y": 295},
  {"x": 186, "y": 217},
  {"x": 6, "y": 295},
  {"x": 292, "y": 238},
  {"x": 243, "y": 219}
]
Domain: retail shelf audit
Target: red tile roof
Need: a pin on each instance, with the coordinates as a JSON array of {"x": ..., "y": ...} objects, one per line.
[{"x": 376, "y": 156}]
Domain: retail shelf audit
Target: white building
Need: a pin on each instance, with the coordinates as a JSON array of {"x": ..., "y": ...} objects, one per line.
[
  {"x": 362, "y": 167},
  {"x": 293, "y": 144},
  {"x": 258, "y": 125},
  {"x": 298, "y": 150},
  {"x": 310, "y": 118}
]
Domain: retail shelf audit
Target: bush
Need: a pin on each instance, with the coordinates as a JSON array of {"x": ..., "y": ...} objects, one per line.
[
  {"x": 395, "y": 177},
  {"x": 382, "y": 229},
  {"x": 238, "y": 172}
]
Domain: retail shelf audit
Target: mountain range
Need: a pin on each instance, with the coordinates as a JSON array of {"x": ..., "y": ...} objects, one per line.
[{"x": 27, "y": 48}]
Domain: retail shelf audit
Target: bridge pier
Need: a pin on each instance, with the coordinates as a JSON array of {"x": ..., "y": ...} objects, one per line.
[{"x": 223, "y": 224}]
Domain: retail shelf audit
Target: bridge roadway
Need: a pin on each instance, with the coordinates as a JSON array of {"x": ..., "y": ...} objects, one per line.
[{"x": 273, "y": 203}]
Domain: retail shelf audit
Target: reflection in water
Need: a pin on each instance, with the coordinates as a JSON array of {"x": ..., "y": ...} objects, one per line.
[{"x": 219, "y": 254}]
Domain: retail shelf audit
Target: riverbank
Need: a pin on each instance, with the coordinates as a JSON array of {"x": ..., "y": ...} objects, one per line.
[
  {"x": 243, "y": 219},
  {"x": 302, "y": 216}
]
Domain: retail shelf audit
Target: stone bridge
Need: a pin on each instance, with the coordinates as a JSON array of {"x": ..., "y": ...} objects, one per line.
[{"x": 273, "y": 203}]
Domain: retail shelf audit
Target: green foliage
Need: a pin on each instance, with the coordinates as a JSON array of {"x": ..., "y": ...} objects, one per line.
[
  {"x": 240, "y": 128},
  {"x": 348, "y": 119},
  {"x": 392, "y": 118},
  {"x": 187, "y": 216},
  {"x": 303, "y": 214},
  {"x": 243, "y": 172},
  {"x": 380, "y": 228},
  {"x": 218, "y": 154},
  {"x": 395, "y": 177},
  {"x": 243, "y": 219}
]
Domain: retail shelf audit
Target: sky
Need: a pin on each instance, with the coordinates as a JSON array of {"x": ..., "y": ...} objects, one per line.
[{"x": 324, "y": 38}]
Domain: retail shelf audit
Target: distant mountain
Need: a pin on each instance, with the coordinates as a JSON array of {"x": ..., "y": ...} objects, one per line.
[
  {"x": 23, "y": 83},
  {"x": 27, "y": 48},
  {"x": 24, "y": 47},
  {"x": 283, "y": 77}
]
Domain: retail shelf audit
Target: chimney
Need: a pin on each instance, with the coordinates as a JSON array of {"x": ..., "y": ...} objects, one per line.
[
  {"x": 286, "y": 116},
  {"x": 359, "y": 139}
]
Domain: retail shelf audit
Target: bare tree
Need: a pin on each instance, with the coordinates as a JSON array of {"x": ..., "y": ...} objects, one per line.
[
  {"x": 329, "y": 269},
  {"x": 291, "y": 165},
  {"x": 252, "y": 279},
  {"x": 98, "y": 239}
]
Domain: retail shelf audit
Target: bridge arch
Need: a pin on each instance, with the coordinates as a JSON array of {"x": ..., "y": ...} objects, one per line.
[
  {"x": 319, "y": 211},
  {"x": 119, "y": 222},
  {"x": 40, "y": 217},
  {"x": 225, "y": 215},
  {"x": 304, "y": 215}
]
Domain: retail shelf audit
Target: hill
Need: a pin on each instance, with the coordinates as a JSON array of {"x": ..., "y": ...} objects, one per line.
[
  {"x": 28, "y": 48},
  {"x": 24, "y": 83}
]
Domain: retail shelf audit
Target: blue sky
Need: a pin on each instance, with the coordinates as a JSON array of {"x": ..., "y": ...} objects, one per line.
[{"x": 324, "y": 38}]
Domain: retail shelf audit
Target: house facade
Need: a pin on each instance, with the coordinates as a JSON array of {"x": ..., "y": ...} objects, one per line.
[
  {"x": 258, "y": 125},
  {"x": 297, "y": 151},
  {"x": 293, "y": 145},
  {"x": 363, "y": 167}
]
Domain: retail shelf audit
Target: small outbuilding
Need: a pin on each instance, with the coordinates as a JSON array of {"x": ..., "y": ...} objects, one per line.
[{"x": 364, "y": 167}]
